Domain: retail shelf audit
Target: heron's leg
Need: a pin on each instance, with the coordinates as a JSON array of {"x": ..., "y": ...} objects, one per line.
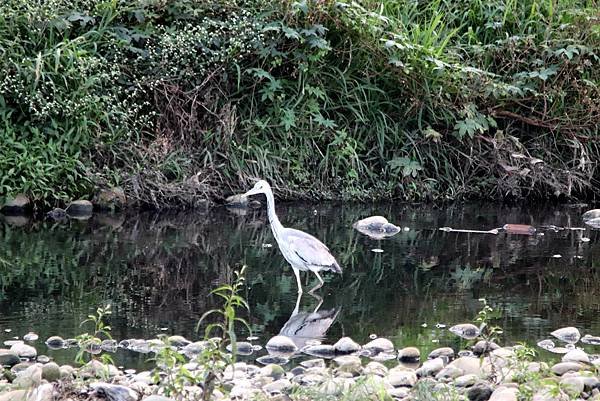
[
  {"x": 297, "y": 273},
  {"x": 295, "y": 312},
  {"x": 321, "y": 282}
]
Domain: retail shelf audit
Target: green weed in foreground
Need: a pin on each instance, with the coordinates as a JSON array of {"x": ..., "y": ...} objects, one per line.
[{"x": 404, "y": 99}]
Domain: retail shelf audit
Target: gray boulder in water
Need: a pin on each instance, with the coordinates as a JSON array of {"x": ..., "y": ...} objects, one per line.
[
  {"x": 567, "y": 334},
  {"x": 376, "y": 227},
  {"x": 591, "y": 214}
]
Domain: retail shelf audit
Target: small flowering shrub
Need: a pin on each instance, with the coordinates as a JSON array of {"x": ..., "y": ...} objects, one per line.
[{"x": 176, "y": 100}]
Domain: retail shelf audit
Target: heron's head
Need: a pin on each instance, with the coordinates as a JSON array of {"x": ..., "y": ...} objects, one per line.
[{"x": 261, "y": 187}]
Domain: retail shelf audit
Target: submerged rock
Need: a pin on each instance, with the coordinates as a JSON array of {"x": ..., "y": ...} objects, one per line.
[
  {"x": 546, "y": 344},
  {"x": 346, "y": 345},
  {"x": 281, "y": 344},
  {"x": 20, "y": 204},
  {"x": 31, "y": 336},
  {"x": 80, "y": 208},
  {"x": 321, "y": 350},
  {"x": 567, "y": 334},
  {"x": 591, "y": 214},
  {"x": 589, "y": 339},
  {"x": 467, "y": 331},
  {"x": 445, "y": 352},
  {"x": 376, "y": 227},
  {"x": 379, "y": 345},
  {"x": 242, "y": 348},
  {"x": 8, "y": 358},
  {"x": 409, "y": 354},
  {"x": 272, "y": 360}
]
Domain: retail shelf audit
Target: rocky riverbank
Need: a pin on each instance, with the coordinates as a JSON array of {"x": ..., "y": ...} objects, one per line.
[{"x": 345, "y": 370}]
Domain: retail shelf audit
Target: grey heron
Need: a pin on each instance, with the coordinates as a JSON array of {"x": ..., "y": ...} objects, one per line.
[{"x": 302, "y": 251}]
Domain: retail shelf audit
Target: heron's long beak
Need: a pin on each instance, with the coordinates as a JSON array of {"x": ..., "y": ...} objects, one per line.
[{"x": 252, "y": 192}]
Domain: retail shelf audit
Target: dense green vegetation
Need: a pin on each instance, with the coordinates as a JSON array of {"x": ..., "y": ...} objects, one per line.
[{"x": 179, "y": 100}]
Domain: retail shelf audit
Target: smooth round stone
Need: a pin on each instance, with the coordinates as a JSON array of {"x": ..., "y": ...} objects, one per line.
[
  {"x": 312, "y": 363},
  {"x": 346, "y": 345},
  {"x": 591, "y": 214},
  {"x": 273, "y": 371},
  {"x": 546, "y": 344},
  {"x": 503, "y": 393},
  {"x": 466, "y": 380},
  {"x": 444, "y": 352},
  {"x": 467, "y": 331},
  {"x": 383, "y": 356},
  {"x": 375, "y": 368},
  {"x": 51, "y": 372},
  {"x": 113, "y": 392},
  {"x": 31, "y": 336},
  {"x": 178, "y": 341},
  {"x": 24, "y": 350},
  {"x": 379, "y": 345},
  {"x": 563, "y": 367},
  {"x": 589, "y": 339},
  {"x": 480, "y": 391},
  {"x": 298, "y": 370},
  {"x": 109, "y": 345},
  {"x": 321, "y": 351},
  {"x": 194, "y": 348},
  {"x": 80, "y": 208},
  {"x": 449, "y": 372},
  {"x": 281, "y": 344},
  {"x": 272, "y": 359},
  {"x": 348, "y": 363},
  {"x": 468, "y": 365},
  {"x": 21, "y": 366},
  {"x": 409, "y": 354},
  {"x": 67, "y": 372},
  {"x": 277, "y": 387},
  {"x": 43, "y": 359},
  {"x": 8, "y": 358},
  {"x": 71, "y": 343},
  {"x": 567, "y": 334},
  {"x": 399, "y": 392},
  {"x": 572, "y": 385},
  {"x": 55, "y": 342},
  {"x": 29, "y": 378},
  {"x": 576, "y": 355},
  {"x": 430, "y": 367},
  {"x": 243, "y": 348},
  {"x": 402, "y": 378},
  {"x": 10, "y": 343}
]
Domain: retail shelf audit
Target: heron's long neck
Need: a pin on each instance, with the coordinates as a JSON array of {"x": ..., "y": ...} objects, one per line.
[{"x": 273, "y": 219}]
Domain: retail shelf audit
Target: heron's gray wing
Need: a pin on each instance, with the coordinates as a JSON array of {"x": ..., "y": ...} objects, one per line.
[{"x": 312, "y": 251}]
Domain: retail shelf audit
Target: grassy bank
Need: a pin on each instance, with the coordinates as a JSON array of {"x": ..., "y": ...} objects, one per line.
[{"x": 182, "y": 100}]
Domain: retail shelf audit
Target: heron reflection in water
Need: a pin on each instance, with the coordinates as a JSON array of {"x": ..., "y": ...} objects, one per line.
[
  {"x": 302, "y": 251},
  {"x": 302, "y": 327}
]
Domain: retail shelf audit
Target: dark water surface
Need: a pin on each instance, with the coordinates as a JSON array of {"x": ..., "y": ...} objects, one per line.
[{"x": 157, "y": 271}]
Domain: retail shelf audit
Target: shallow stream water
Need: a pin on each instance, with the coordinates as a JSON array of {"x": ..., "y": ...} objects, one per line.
[{"x": 157, "y": 270}]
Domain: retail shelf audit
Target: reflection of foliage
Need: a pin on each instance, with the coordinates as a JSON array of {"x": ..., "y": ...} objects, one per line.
[
  {"x": 156, "y": 270},
  {"x": 465, "y": 278}
]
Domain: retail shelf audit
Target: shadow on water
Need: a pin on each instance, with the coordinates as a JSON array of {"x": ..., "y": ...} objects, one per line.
[{"x": 157, "y": 272}]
